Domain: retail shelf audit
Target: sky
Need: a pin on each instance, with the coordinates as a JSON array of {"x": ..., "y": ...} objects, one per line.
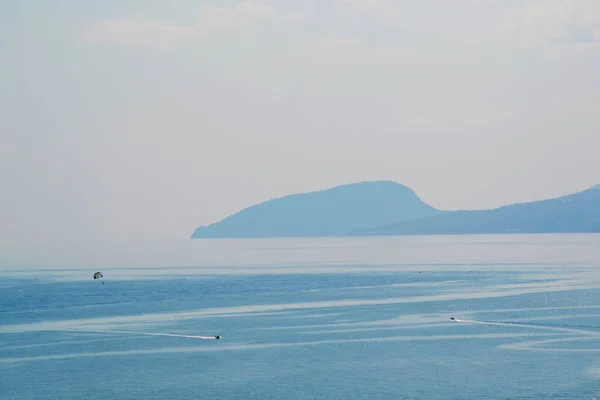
[{"x": 148, "y": 118}]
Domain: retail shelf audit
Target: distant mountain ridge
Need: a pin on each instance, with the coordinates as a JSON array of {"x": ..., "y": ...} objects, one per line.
[
  {"x": 379, "y": 208},
  {"x": 575, "y": 213},
  {"x": 332, "y": 212}
]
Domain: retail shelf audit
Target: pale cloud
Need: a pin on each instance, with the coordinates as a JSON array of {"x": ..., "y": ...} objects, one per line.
[
  {"x": 136, "y": 32},
  {"x": 557, "y": 21},
  {"x": 381, "y": 8},
  {"x": 385, "y": 10},
  {"x": 335, "y": 41},
  {"x": 353, "y": 44},
  {"x": 247, "y": 14},
  {"x": 211, "y": 21},
  {"x": 514, "y": 22},
  {"x": 355, "y": 22}
]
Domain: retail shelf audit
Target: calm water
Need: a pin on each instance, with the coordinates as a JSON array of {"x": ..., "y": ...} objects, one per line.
[{"x": 356, "y": 318}]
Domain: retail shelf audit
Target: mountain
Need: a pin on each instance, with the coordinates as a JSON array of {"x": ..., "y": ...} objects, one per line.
[
  {"x": 576, "y": 213},
  {"x": 331, "y": 212}
]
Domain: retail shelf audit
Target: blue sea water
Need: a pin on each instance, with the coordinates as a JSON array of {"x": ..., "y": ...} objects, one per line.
[{"x": 331, "y": 318}]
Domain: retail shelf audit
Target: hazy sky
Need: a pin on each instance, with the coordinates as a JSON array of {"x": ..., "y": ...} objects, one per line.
[{"x": 147, "y": 118}]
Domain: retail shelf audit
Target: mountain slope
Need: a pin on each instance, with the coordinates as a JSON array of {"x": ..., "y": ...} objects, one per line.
[
  {"x": 331, "y": 212},
  {"x": 579, "y": 212}
]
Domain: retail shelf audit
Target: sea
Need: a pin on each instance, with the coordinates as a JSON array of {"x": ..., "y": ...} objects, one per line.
[{"x": 311, "y": 318}]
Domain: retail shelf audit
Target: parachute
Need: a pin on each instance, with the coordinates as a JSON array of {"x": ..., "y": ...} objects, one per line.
[{"x": 98, "y": 275}]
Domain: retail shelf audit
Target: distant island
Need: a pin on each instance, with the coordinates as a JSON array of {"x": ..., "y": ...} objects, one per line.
[
  {"x": 332, "y": 212},
  {"x": 380, "y": 208}
]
